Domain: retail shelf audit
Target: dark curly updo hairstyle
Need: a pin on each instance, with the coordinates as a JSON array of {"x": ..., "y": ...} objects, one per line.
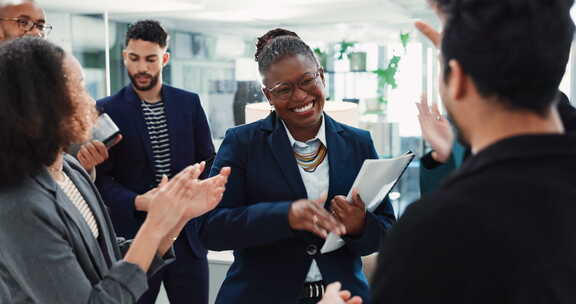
[
  {"x": 278, "y": 44},
  {"x": 515, "y": 50},
  {"x": 148, "y": 30},
  {"x": 36, "y": 107}
]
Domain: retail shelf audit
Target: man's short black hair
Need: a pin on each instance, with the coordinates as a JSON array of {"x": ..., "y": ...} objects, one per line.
[
  {"x": 515, "y": 50},
  {"x": 148, "y": 30}
]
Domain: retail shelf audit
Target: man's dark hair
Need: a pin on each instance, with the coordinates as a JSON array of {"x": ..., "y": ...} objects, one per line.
[
  {"x": 36, "y": 107},
  {"x": 148, "y": 30},
  {"x": 278, "y": 44},
  {"x": 514, "y": 50}
]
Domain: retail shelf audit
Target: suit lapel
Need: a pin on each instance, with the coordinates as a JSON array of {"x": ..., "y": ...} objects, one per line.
[
  {"x": 283, "y": 154},
  {"x": 338, "y": 152},
  {"x": 76, "y": 217},
  {"x": 175, "y": 118},
  {"x": 90, "y": 195},
  {"x": 137, "y": 116}
]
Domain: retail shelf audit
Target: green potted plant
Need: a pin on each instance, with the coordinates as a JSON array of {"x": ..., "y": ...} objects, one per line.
[
  {"x": 356, "y": 59},
  {"x": 322, "y": 57},
  {"x": 387, "y": 76},
  {"x": 344, "y": 48}
]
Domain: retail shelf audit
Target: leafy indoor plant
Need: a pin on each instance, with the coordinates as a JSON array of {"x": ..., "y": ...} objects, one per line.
[
  {"x": 322, "y": 57},
  {"x": 356, "y": 59},
  {"x": 387, "y": 76},
  {"x": 344, "y": 48}
]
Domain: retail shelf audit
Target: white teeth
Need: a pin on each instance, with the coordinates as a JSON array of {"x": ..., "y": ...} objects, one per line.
[{"x": 304, "y": 108}]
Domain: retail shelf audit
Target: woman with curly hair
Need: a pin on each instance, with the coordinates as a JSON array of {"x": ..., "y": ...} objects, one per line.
[{"x": 58, "y": 244}]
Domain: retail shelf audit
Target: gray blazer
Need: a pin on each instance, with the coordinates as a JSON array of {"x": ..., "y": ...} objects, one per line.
[{"x": 48, "y": 253}]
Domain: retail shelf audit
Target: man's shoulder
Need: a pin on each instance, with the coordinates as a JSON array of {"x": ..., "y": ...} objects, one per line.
[
  {"x": 112, "y": 100},
  {"x": 454, "y": 205},
  {"x": 184, "y": 100},
  {"x": 436, "y": 204},
  {"x": 181, "y": 93}
]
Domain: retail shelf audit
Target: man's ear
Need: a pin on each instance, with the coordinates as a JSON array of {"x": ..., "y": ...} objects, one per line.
[
  {"x": 457, "y": 81},
  {"x": 165, "y": 59},
  {"x": 125, "y": 57}
]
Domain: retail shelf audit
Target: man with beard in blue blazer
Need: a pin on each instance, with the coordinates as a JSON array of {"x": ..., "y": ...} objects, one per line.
[{"x": 164, "y": 129}]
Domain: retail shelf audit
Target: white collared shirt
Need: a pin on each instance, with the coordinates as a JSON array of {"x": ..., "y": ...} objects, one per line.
[{"x": 316, "y": 182}]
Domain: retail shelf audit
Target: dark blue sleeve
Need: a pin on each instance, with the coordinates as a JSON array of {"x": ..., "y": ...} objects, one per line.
[
  {"x": 432, "y": 173},
  {"x": 377, "y": 223},
  {"x": 203, "y": 136},
  {"x": 235, "y": 224},
  {"x": 118, "y": 198}
]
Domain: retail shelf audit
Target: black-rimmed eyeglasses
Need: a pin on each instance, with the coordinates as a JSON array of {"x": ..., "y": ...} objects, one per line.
[{"x": 27, "y": 25}]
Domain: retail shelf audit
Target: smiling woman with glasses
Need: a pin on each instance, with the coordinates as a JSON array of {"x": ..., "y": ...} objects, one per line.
[{"x": 290, "y": 172}]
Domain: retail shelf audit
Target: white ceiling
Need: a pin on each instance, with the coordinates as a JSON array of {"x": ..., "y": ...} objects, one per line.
[{"x": 318, "y": 20}]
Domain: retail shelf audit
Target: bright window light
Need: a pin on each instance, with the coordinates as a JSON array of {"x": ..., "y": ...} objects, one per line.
[{"x": 401, "y": 101}]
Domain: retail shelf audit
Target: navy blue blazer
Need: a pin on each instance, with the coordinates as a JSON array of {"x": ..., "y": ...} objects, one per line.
[
  {"x": 129, "y": 170},
  {"x": 271, "y": 259}
]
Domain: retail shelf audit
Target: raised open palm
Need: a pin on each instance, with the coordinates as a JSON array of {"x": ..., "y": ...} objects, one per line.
[
  {"x": 205, "y": 195},
  {"x": 436, "y": 130},
  {"x": 169, "y": 203}
]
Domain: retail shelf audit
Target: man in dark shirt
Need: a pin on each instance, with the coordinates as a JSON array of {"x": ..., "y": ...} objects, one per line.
[
  {"x": 502, "y": 229},
  {"x": 437, "y": 132}
]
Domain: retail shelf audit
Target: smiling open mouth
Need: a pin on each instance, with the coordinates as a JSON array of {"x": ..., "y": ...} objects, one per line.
[{"x": 304, "y": 108}]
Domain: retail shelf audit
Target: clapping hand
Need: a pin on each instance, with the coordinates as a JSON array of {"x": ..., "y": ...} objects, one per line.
[
  {"x": 185, "y": 197},
  {"x": 334, "y": 295},
  {"x": 205, "y": 195},
  {"x": 170, "y": 206},
  {"x": 311, "y": 216},
  {"x": 352, "y": 215}
]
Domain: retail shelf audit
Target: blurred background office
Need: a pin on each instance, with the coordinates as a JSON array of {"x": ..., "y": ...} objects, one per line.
[{"x": 373, "y": 58}]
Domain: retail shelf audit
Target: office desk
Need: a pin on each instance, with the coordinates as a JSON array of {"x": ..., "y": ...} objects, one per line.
[{"x": 218, "y": 264}]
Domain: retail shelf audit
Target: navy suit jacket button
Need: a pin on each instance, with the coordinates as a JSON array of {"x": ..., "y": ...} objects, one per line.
[{"x": 311, "y": 250}]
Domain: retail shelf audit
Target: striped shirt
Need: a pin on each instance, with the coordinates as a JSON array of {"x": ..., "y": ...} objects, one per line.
[
  {"x": 155, "y": 118},
  {"x": 78, "y": 200}
]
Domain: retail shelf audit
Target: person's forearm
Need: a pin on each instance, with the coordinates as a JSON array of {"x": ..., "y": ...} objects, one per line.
[
  {"x": 145, "y": 246},
  {"x": 170, "y": 238}
]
